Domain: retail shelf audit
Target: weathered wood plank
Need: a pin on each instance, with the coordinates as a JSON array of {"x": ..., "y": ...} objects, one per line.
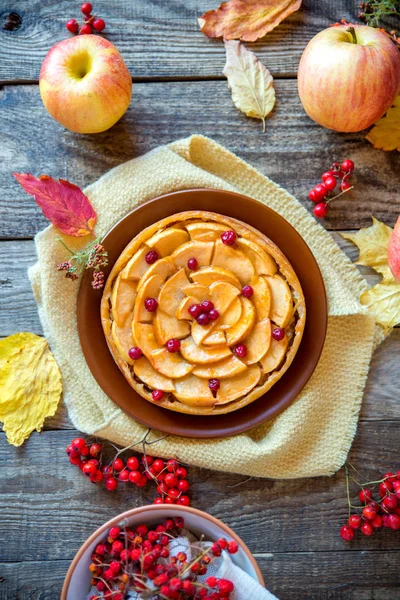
[
  {"x": 42, "y": 492},
  {"x": 289, "y": 575},
  {"x": 293, "y": 152},
  {"x": 158, "y": 38}
]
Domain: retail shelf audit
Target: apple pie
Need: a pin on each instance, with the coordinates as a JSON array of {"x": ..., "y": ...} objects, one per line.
[{"x": 202, "y": 313}]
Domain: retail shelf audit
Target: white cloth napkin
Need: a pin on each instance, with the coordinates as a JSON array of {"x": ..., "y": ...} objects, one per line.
[{"x": 246, "y": 588}]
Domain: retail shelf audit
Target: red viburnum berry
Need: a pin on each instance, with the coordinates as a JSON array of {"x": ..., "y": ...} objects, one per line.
[
  {"x": 192, "y": 264},
  {"x": 365, "y": 495},
  {"x": 86, "y": 8},
  {"x": 99, "y": 25},
  {"x": 321, "y": 210},
  {"x": 72, "y": 26},
  {"x": 151, "y": 257},
  {"x": 354, "y": 521},
  {"x": 228, "y": 237}
]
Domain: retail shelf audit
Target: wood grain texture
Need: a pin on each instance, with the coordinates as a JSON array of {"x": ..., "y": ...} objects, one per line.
[
  {"x": 289, "y": 575},
  {"x": 293, "y": 152},
  {"x": 158, "y": 38},
  {"x": 42, "y": 492}
]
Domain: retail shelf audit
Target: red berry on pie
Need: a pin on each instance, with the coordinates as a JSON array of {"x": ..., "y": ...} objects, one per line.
[
  {"x": 151, "y": 257},
  {"x": 135, "y": 353},
  {"x": 278, "y": 333},
  {"x": 151, "y": 304},
  {"x": 213, "y": 314},
  {"x": 228, "y": 237},
  {"x": 247, "y": 291},
  {"x": 192, "y": 264},
  {"x": 173, "y": 345},
  {"x": 206, "y": 306},
  {"x": 194, "y": 310},
  {"x": 99, "y": 24},
  {"x": 157, "y": 395},
  {"x": 214, "y": 385},
  {"x": 347, "y": 166},
  {"x": 320, "y": 210},
  {"x": 240, "y": 350},
  {"x": 203, "y": 319}
]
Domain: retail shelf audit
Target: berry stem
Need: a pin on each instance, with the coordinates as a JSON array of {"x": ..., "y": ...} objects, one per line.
[
  {"x": 327, "y": 200},
  {"x": 348, "y": 488}
]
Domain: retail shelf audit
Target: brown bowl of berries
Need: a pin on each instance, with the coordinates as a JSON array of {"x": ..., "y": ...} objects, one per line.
[{"x": 157, "y": 552}]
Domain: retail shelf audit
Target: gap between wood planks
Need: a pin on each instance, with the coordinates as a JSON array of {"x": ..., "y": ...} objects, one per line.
[{"x": 155, "y": 79}]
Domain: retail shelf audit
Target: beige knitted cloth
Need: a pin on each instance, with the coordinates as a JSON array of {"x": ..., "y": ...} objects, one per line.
[{"x": 312, "y": 436}]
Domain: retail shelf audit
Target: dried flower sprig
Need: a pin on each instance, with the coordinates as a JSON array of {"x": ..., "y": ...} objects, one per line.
[
  {"x": 375, "y": 11},
  {"x": 92, "y": 256}
]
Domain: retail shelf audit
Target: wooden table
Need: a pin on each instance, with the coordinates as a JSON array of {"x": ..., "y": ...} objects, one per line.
[{"x": 47, "y": 508}]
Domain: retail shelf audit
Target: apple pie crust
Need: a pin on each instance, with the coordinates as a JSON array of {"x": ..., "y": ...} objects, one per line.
[{"x": 206, "y": 352}]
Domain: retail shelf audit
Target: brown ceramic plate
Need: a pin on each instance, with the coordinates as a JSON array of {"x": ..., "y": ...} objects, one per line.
[{"x": 110, "y": 378}]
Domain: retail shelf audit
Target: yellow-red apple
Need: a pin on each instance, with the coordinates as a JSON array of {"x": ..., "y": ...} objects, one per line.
[
  {"x": 394, "y": 251},
  {"x": 349, "y": 77},
  {"x": 85, "y": 84}
]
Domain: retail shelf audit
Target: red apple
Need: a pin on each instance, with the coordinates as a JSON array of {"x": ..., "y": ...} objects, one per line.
[
  {"x": 85, "y": 84},
  {"x": 349, "y": 77},
  {"x": 394, "y": 251}
]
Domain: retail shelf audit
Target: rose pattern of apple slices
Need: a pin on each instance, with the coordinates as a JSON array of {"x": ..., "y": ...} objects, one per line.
[{"x": 206, "y": 351}]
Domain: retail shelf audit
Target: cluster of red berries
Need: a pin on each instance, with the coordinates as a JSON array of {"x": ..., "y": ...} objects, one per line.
[
  {"x": 139, "y": 560},
  {"x": 375, "y": 514},
  {"x": 329, "y": 180},
  {"x": 169, "y": 477},
  {"x": 91, "y": 22}
]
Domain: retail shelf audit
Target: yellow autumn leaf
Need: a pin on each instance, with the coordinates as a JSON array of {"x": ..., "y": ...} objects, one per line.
[
  {"x": 251, "y": 83},
  {"x": 382, "y": 300},
  {"x": 385, "y": 134},
  {"x": 373, "y": 245},
  {"x": 30, "y": 385}
]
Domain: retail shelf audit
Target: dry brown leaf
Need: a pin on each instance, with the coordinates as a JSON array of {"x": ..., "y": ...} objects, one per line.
[
  {"x": 382, "y": 300},
  {"x": 385, "y": 134},
  {"x": 251, "y": 83},
  {"x": 30, "y": 385},
  {"x": 246, "y": 20}
]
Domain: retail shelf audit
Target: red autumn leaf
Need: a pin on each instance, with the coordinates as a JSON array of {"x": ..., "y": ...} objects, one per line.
[
  {"x": 62, "y": 202},
  {"x": 246, "y": 20}
]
